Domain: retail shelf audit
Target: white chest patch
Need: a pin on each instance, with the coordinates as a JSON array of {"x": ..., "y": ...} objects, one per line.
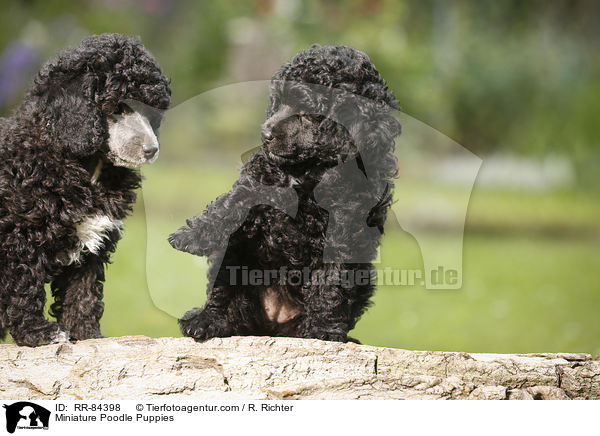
[{"x": 92, "y": 233}]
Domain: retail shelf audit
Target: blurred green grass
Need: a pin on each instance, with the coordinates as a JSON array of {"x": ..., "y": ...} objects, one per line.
[{"x": 521, "y": 293}]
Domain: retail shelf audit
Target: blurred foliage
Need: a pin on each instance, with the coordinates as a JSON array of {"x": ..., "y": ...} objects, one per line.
[{"x": 510, "y": 75}]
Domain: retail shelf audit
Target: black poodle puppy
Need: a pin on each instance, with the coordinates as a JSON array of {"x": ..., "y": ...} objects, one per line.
[
  {"x": 67, "y": 178},
  {"x": 290, "y": 246}
]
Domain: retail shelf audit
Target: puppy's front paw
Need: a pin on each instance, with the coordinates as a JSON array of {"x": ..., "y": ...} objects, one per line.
[
  {"x": 195, "y": 324},
  {"x": 41, "y": 334},
  {"x": 60, "y": 337},
  {"x": 202, "y": 324},
  {"x": 82, "y": 331},
  {"x": 310, "y": 329}
]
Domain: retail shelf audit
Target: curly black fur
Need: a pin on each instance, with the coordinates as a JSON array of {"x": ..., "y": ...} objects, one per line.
[
  {"x": 329, "y": 138},
  {"x": 48, "y": 151}
]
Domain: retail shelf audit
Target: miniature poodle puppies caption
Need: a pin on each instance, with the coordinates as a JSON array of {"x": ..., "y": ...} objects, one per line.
[
  {"x": 68, "y": 159},
  {"x": 291, "y": 245}
]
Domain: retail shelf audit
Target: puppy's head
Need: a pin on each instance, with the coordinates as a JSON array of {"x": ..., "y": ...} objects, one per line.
[
  {"x": 321, "y": 103},
  {"x": 292, "y": 132},
  {"x": 108, "y": 93}
]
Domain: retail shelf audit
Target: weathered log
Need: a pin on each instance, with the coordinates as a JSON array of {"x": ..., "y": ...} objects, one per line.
[{"x": 138, "y": 367}]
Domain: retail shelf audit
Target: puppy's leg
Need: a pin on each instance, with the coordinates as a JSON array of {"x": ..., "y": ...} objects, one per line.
[
  {"x": 327, "y": 312},
  {"x": 77, "y": 295},
  {"x": 24, "y": 310},
  {"x": 208, "y": 232}
]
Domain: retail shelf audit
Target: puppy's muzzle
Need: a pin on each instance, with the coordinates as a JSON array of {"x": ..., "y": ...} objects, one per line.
[{"x": 267, "y": 131}]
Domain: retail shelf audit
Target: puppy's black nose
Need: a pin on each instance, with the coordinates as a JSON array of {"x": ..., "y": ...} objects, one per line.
[
  {"x": 266, "y": 134},
  {"x": 149, "y": 150}
]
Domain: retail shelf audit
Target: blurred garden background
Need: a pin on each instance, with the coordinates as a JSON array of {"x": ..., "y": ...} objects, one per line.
[{"x": 515, "y": 83}]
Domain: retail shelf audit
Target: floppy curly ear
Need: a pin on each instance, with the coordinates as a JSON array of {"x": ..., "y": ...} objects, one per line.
[{"x": 75, "y": 122}]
